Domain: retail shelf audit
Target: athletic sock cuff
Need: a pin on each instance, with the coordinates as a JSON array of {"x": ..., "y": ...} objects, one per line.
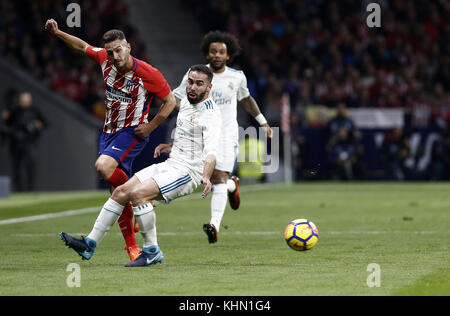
[
  {"x": 113, "y": 206},
  {"x": 142, "y": 209}
]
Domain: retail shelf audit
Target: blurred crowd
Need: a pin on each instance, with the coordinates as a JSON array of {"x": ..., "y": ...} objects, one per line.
[
  {"x": 319, "y": 52},
  {"x": 24, "y": 42},
  {"x": 402, "y": 154},
  {"x": 322, "y": 52}
]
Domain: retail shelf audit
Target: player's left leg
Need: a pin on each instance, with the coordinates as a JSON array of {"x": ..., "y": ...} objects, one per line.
[
  {"x": 141, "y": 196},
  {"x": 218, "y": 204},
  {"x": 162, "y": 182},
  {"x": 225, "y": 163}
]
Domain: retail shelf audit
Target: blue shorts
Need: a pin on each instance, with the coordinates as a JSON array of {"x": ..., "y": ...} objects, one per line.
[{"x": 124, "y": 146}]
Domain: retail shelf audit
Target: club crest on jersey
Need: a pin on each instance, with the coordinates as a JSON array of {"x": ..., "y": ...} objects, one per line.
[
  {"x": 130, "y": 85},
  {"x": 230, "y": 85}
]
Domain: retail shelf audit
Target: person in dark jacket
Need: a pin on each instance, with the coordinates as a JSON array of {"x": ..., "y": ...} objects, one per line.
[{"x": 24, "y": 123}]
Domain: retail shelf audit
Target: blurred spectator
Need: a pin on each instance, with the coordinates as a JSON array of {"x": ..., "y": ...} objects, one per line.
[
  {"x": 344, "y": 159},
  {"x": 396, "y": 155},
  {"x": 298, "y": 145},
  {"x": 5, "y": 112},
  {"x": 25, "y": 124},
  {"x": 342, "y": 120},
  {"x": 440, "y": 168}
]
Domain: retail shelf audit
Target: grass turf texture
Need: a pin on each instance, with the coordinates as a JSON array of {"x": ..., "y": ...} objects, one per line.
[{"x": 404, "y": 228}]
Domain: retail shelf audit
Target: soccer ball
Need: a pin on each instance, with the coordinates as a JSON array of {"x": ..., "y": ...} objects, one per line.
[{"x": 301, "y": 234}]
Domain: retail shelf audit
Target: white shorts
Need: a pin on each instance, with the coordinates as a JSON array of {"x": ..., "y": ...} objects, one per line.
[
  {"x": 227, "y": 155},
  {"x": 172, "y": 179}
]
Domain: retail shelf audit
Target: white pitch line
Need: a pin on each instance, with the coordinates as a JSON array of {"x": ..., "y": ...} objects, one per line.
[
  {"x": 49, "y": 215},
  {"x": 250, "y": 188}
]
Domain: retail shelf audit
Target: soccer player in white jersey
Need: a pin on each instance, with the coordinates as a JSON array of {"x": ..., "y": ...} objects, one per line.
[
  {"x": 228, "y": 87},
  {"x": 190, "y": 164}
]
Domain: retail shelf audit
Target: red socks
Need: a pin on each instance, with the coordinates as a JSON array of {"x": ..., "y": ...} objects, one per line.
[
  {"x": 126, "y": 219},
  {"x": 118, "y": 178},
  {"x": 126, "y": 226}
]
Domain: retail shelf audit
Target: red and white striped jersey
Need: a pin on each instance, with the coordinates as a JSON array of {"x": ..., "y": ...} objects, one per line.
[{"x": 128, "y": 95}]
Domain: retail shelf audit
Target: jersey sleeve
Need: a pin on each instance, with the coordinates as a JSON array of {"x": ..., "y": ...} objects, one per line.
[
  {"x": 243, "y": 91},
  {"x": 211, "y": 131},
  {"x": 180, "y": 91},
  {"x": 97, "y": 54},
  {"x": 154, "y": 81}
]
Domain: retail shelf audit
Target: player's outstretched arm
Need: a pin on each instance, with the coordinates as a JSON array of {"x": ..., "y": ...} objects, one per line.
[
  {"x": 168, "y": 104},
  {"x": 252, "y": 108},
  {"x": 73, "y": 42}
]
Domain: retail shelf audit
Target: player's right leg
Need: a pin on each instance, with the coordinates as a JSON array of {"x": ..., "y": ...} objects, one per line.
[{"x": 109, "y": 214}]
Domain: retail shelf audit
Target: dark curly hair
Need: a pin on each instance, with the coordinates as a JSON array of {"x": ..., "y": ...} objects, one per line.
[{"x": 233, "y": 46}]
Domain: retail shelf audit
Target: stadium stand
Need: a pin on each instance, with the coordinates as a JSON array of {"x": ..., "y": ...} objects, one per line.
[
  {"x": 320, "y": 52},
  {"x": 28, "y": 46}
]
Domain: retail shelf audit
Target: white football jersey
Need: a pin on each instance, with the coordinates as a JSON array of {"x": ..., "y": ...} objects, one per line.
[
  {"x": 228, "y": 87},
  {"x": 196, "y": 134}
]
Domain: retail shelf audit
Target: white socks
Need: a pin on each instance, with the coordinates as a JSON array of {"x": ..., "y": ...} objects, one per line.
[
  {"x": 146, "y": 218},
  {"x": 231, "y": 186},
  {"x": 218, "y": 203},
  {"x": 109, "y": 214}
]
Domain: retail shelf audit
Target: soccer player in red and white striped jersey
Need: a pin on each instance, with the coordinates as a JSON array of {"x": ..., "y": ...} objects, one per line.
[{"x": 130, "y": 85}]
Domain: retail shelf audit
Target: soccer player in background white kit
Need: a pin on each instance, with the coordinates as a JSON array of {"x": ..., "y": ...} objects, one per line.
[
  {"x": 228, "y": 87},
  {"x": 191, "y": 163}
]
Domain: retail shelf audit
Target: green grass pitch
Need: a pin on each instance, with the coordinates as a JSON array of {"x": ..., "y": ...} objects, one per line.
[{"x": 403, "y": 228}]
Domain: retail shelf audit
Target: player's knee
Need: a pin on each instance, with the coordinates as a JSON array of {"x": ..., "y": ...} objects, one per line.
[
  {"x": 104, "y": 169},
  {"x": 138, "y": 196},
  {"x": 121, "y": 194}
]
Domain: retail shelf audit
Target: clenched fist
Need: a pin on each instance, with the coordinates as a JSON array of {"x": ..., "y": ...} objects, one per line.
[{"x": 52, "y": 26}]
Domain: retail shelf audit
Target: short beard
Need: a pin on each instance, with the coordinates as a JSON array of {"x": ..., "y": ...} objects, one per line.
[
  {"x": 197, "y": 99},
  {"x": 214, "y": 68}
]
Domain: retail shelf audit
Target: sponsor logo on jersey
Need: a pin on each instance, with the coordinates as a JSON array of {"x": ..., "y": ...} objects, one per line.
[
  {"x": 218, "y": 99},
  {"x": 118, "y": 96}
]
